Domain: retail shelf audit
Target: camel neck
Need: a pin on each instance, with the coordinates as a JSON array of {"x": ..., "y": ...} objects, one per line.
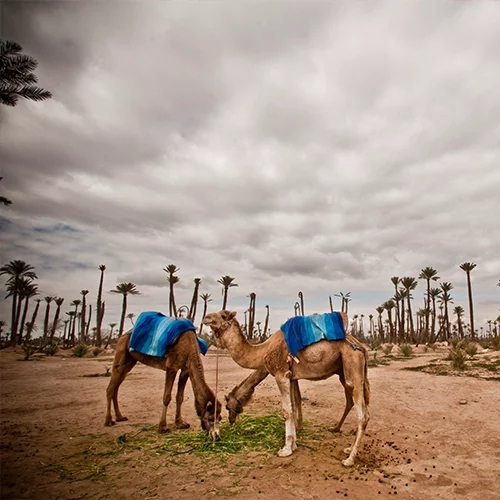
[
  {"x": 245, "y": 354},
  {"x": 202, "y": 392}
]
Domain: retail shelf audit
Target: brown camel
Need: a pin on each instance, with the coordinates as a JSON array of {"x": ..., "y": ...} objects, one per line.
[
  {"x": 318, "y": 361},
  {"x": 185, "y": 356},
  {"x": 242, "y": 394}
]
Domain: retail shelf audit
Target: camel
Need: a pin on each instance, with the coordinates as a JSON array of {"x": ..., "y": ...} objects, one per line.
[
  {"x": 185, "y": 356},
  {"x": 242, "y": 394},
  {"x": 318, "y": 361}
]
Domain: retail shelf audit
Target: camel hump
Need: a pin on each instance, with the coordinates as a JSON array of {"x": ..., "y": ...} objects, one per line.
[
  {"x": 302, "y": 331},
  {"x": 154, "y": 333}
]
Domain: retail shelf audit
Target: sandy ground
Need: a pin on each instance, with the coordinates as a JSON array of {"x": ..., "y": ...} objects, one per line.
[{"x": 434, "y": 437}]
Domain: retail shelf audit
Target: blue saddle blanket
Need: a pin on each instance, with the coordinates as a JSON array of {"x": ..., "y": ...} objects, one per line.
[
  {"x": 301, "y": 331},
  {"x": 154, "y": 333}
]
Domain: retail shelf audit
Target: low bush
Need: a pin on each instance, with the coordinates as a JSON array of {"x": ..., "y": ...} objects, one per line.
[
  {"x": 406, "y": 350},
  {"x": 387, "y": 349},
  {"x": 458, "y": 357},
  {"x": 50, "y": 350},
  {"x": 80, "y": 350}
]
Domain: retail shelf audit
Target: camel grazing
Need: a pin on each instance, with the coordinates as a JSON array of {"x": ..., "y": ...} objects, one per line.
[
  {"x": 242, "y": 394},
  {"x": 185, "y": 356},
  {"x": 317, "y": 361}
]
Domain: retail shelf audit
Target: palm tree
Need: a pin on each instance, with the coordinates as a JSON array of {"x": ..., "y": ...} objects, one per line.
[
  {"x": 251, "y": 315},
  {"x": 130, "y": 316},
  {"x": 171, "y": 269},
  {"x": 301, "y": 299},
  {"x": 71, "y": 337},
  {"x": 84, "y": 311},
  {"x": 100, "y": 308},
  {"x": 16, "y": 75},
  {"x": 409, "y": 284},
  {"x": 112, "y": 326},
  {"x": 389, "y": 305},
  {"x": 27, "y": 290},
  {"x": 31, "y": 325},
  {"x": 434, "y": 293},
  {"x": 467, "y": 267},
  {"x": 266, "y": 321},
  {"x": 194, "y": 300},
  {"x": 75, "y": 303},
  {"x": 397, "y": 297},
  {"x": 125, "y": 289},
  {"x": 227, "y": 283},
  {"x": 16, "y": 269},
  {"x": 206, "y": 299},
  {"x": 370, "y": 317},
  {"x": 445, "y": 299},
  {"x": 345, "y": 300},
  {"x": 428, "y": 274},
  {"x": 48, "y": 301},
  {"x": 380, "y": 310},
  {"x": 59, "y": 302}
]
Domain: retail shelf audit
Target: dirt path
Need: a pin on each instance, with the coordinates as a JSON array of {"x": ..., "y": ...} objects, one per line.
[{"x": 429, "y": 436}]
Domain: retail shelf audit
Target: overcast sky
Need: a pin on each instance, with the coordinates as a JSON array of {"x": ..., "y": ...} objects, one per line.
[{"x": 320, "y": 147}]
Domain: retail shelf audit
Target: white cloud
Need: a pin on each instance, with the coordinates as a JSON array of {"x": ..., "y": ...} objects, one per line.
[{"x": 318, "y": 148}]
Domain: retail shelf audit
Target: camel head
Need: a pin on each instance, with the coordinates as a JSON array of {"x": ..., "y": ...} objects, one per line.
[
  {"x": 233, "y": 407},
  {"x": 210, "y": 424},
  {"x": 219, "y": 322}
]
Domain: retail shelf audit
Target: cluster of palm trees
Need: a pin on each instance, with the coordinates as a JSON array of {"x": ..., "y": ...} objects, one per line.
[
  {"x": 401, "y": 324},
  {"x": 76, "y": 327},
  {"x": 429, "y": 325}
]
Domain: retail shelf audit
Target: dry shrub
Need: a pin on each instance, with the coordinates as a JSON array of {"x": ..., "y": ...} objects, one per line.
[
  {"x": 406, "y": 350},
  {"x": 458, "y": 357},
  {"x": 387, "y": 349}
]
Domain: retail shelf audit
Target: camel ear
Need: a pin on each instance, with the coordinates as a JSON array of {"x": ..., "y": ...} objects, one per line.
[
  {"x": 227, "y": 315},
  {"x": 209, "y": 405}
]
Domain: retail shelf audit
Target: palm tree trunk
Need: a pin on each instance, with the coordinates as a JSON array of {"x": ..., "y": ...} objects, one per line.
[
  {"x": 54, "y": 324},
  {"x": 82, "y": 320},
  {"x": 46, "y": 324},
  {"x": 224, "y": 298},
  {"x": 32, "y": 322},
  {"x": 100, "y": 312},
  {"x": 21, "y": 327},
  {"x": 471, "y": 305},
  {"x": 428, "y": 306},
  {"x": 124, "y": 313},
  {"x": 88, "y": 322},
  {"x": 266, "y": 321},
  {"x": 13, "y": 322},
  {"x": 410, "y": 316}
]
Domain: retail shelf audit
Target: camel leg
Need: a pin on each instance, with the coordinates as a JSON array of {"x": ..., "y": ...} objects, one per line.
[
  {"x": 349, "y": 403},
  {"x": 170, "y": 374},
  {"x": 122, "y": 364},
  {"x": 296, "y": 404},
  {"x": 181, "y": 385},
  {"x": 284, "y": 386},
  {"x": 355, "y": 381}
]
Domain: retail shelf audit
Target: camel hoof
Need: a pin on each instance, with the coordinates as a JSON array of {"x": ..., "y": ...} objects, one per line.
[
  {"x": 182, "y": 425},
  {"x": 121, "y": 419},
  {"x": 335, "y": 429},
  {"x": 348, "y": 462},
  {"x": 109, "y": 423},
  {"x": 285, "y": 452},
  {"x": 163, "y": 429},
  {"x": 347, "y": 450}
]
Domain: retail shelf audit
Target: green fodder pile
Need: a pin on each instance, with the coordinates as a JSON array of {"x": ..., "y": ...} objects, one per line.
[{"x": 266, "y": 433}]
